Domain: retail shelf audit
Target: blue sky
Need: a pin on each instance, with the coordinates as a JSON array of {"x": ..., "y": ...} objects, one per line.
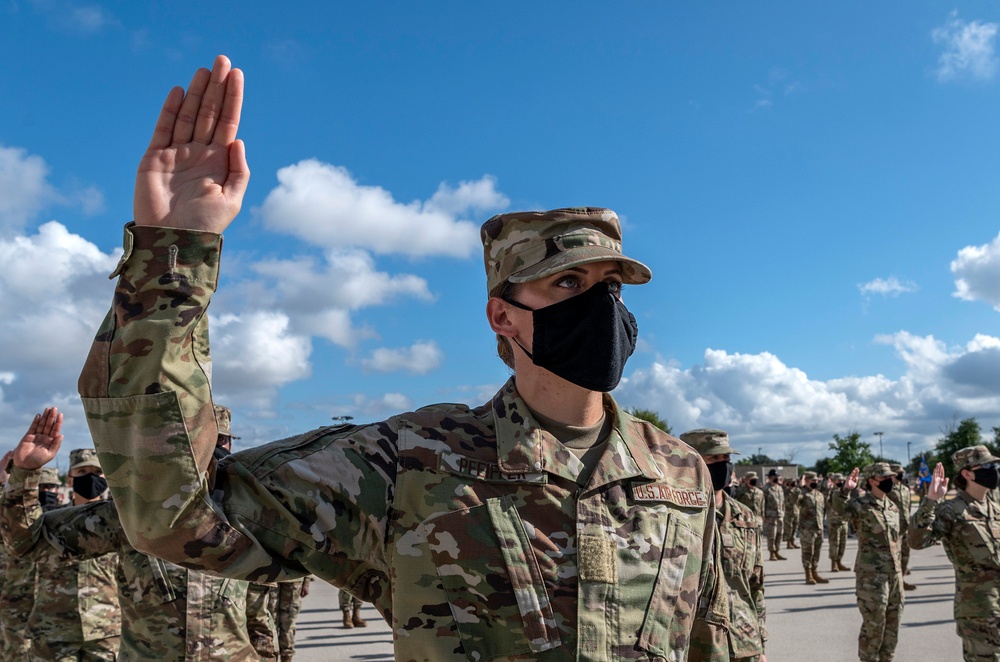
[{"x": 814, "y": 188}]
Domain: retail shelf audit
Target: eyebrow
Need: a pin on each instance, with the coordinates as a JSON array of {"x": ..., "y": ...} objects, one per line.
[{"x": 614, "y": 271}]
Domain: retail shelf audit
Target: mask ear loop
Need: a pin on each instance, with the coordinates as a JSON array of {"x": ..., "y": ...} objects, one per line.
[{"x": 517, "y": 304}]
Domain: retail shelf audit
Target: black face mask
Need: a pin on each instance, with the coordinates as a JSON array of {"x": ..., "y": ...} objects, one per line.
[
  {"x": 900, "y": 476},
  {"x": 220, "y": 452},
  {"x": 90, "y": 486},
  {"x": 987, "y": 477},
  {"x": 886, "y": 485},
  {"x": 840, "y": 484},
  {"x": 721, "y": 473},
  {"x": 48, "y": 500},
  {"x": 813, "y": 486},
  {"x": 585, "y": 339},
  {"x": 753, "y": 482}
]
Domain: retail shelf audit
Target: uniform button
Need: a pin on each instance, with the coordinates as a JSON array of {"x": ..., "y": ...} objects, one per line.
[{"x": 538, "y": 466}]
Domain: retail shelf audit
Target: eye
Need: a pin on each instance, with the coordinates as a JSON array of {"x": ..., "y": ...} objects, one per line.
[
  {"x": 616, "y": 287},
  {"x": 569, "y": 282}
]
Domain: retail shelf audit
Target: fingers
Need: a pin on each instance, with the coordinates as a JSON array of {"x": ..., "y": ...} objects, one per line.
[
  {"x": 239, "y": 175},
  {"x": 163, "y": 132},
  {"x": 212, "y": 101},
  {"x": 232, "y": 106},
  {"x": 188, "y": 113}
]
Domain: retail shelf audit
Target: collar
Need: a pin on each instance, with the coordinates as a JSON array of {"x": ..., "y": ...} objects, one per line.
[{"x": 524, "y": 446}]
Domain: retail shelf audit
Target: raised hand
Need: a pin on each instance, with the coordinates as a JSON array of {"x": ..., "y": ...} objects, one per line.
[
  {"x": 852, "y": 480},
  {"x": 939, "y": 483},
  {"x": 194, "y": 172},
  {"x": 41, "y": 442}
]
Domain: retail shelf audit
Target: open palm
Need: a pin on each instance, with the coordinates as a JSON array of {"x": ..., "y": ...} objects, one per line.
[
  {"x": 41, "y": 442},
  {"x": 194, "y": 172}
]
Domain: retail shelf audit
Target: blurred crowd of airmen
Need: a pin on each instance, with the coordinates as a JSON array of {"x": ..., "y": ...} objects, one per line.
[{"x": 75, "y": 589}]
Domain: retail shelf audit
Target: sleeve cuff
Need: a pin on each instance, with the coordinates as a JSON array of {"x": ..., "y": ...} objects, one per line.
[{"x": 153, "y": 252}]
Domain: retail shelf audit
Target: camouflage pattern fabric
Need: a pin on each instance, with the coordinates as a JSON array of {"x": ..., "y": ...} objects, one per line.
[
  {"x": 261, "y": 625},
  {"x": 731, "y": 621},
  {"x": 903, "y": 498},
  {"x": 879, "y": 578},
  {"x": 774, "y": 512},
  {"x": 970, "y": 533},
  {"x": 791, "y": 523},
  {"x": 812, "y": 507},
  {"x": 837, "y": 533},
  {"x": 95, "y": 650},
  {"x": 753, "y": 498},
  {"x": 286, "y": 602},
  {"x": 168, "y": 612},
  {"x": 465, "y": 527},
  {"x": 16, "y": 602},
  {"x": 347, "y": 601}
]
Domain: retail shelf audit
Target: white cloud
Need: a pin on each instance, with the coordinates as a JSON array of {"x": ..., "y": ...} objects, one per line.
[
  {"x": 382, "y": 407},
  {"x": 977, "y": 273},
  {"x": 764, "y": 403},
  {"x": 322, "y": 204},
  {"x": 891, "y": 286},
  {"x": 24, "y": 190},
  {"x": 419, "y": 359},
  {"x": 89, "y": 18},
  {"x": 969, "y": 49}
]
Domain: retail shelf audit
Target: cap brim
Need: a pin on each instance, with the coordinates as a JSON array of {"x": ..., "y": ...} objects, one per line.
[
  {"x": 89, "y": 463},
  {"x": 633, "y": 271}
]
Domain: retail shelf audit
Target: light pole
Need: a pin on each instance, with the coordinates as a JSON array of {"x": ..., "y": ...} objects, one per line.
[
  {"x": 908, "y": 456},
  {"x": 880, "y": 455}
]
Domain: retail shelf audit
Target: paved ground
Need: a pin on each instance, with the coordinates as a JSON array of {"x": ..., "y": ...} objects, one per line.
[{"x": 816, "y": 623}]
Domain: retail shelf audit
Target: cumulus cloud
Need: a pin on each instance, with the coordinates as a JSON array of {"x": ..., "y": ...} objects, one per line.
[
  {"x": 891, "y": 286},
  {"x": 418, "y": 359},
  {"x": 24, "y": 190},
  {"x": 383, "y": 406},
  {"x": 765, "y": 403},
  {"x": 977, "y": 273},
  {"x": 969, "y": 49},
  {"x": 323, "y": 204}
]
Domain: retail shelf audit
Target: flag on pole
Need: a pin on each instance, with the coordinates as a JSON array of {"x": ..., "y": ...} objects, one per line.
[{"x": 925, "y": 473}]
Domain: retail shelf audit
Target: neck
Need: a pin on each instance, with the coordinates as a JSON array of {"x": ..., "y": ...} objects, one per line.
[
  {"x": 976, "y": 491},
  {"x": 555, "y": 398},
  {"x": 79, "y": 500},
  {"x": 718, "y": 499}
]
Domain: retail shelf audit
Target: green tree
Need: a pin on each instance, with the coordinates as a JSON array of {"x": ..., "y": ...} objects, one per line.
[
  {"x": 824, "y": 466},
  {"x": 650, "y": 416},
  {"x": 957, "y": 436},
  {"x": 850, "y": 452}
]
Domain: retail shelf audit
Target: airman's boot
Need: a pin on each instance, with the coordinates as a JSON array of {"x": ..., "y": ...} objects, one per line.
[
  {"x": 843, "y": 567},
  {"x": 907, "y": 586},
  {"x": 772, "y": 556},
  {"x": 348, "y": 623},
  {"x": 809, "y": 576},
  {"x": 819, "y": 580},
  {"x": 778, "y": 556},
  {"x": 833, "y": 566},
  {"x": 357, "y": 620}
]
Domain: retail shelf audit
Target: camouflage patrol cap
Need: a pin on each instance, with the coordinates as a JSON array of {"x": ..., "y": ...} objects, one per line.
[
  {"x": 224, "y": 419},
  {"x": 810, "y": 475},
  {"x": 896, "y": 467},
  {"x": 973, "y": 456},
  {"x": 709, "y": 441},
  {"x": 50, "y": 476},
  {"x": 750, "y": 475},
  {"x": 528, "y": 245},
  {"x": 772, "y": 472},
  {"x": 878, "y": 470},
  {"x": 835, "y": 477},
  {"x": 83, "y": 457}
]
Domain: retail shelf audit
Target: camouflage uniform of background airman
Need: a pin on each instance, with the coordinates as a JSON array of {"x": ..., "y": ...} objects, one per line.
[
  {"x": 168, "y": 612},
  {"x": 774, "y": 510},
  {"x": 466, "y": 527},
  {"x": 752, "y": 496},
  {"x": 791, "y": 523},
  {"x": 75, "y": 614},
  {"x": 970, "y": 532},
  {"x": 879, "y": 579},
  {"x": 350, "y": 607},
  {"x": 18, "y": 595},
  {"x": 261, "y": 626},
  {"x": 812, "y": 508},
  {"x": 903, "y": 498},
  {"x": 731, "y": 616},
  {"x": 286, "y": 602},
  {"x": 837, "y": 527}
]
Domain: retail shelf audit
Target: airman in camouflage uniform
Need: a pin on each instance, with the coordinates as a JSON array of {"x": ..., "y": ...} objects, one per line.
[
  {"x": 286, "y": 602},
  {"x": 969, "y": 528},
  {"x": 75, "y": 615},
  {"x": 791, "y": 523},
  {"x": 351, "y": 608},
  {"x": 563, "y": 530},
  {"x": 812, "y": 508},
  {"x": 903, "y": 498},
  {"x": 168, "y": 612},
  {"x": 731, "y": 615},
  {"x": 752, "y": 496},
  {"x": 878, "y": 582},
  {"x": 774, "y": 510},
  {"x": 837, "y": 527}
]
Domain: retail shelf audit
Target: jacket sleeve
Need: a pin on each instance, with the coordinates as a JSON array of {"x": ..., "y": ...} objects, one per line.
[
  {"x": 928, "y": 525},
  {"x": 81, "y": 532},
  {"x": 315, "y": 503}
]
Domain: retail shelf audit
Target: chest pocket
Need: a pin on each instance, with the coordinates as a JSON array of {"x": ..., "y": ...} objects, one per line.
[
  {"x": 982, "y": 537},
  {"x": 494, "y": 585},
  {"x": 737, "y": 543}
]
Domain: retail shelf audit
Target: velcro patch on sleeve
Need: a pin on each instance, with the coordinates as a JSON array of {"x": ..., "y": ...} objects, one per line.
[{"x": 662, "y": 492}]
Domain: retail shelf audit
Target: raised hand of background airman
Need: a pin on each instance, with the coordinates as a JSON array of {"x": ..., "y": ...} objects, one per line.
[
  {"x": 939, "y": 483},
  {"x": 41, "y": 442},
  {"x": 852, "y": 481}
]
